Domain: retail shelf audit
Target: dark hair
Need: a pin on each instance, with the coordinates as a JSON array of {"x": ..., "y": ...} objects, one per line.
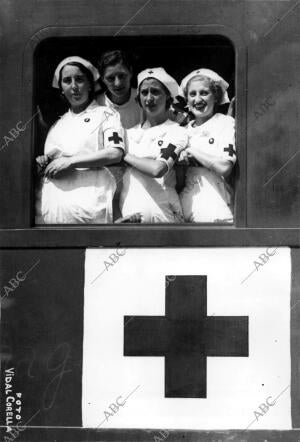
[
  {"x": 213, "y": 86},
  {"x": 85, "y": 71},
  {"x": 169, "y": 99},
  {"x": 111, "y": 58}
]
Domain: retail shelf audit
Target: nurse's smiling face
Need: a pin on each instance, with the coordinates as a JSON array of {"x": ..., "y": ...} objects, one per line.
[
  {"x": 200, "y": 98},
  {"x": 76, "y": 87},
  {"x": 153, "y": 98}
]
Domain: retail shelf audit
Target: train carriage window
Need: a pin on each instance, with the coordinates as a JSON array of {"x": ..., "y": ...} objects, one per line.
[{"x": 178, "y": 165}]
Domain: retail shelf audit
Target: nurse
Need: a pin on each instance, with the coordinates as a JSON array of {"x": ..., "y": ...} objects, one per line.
[
  {"x": 153, "y": 147},
  {"x": 207, "y": 197},
  {"x": 76, "y": 186},
  {"x": 116, "y": 74}
]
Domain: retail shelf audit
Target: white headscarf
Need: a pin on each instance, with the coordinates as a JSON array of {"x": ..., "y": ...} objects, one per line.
[
  {"x": 210, "y": 74},
  {"x": 86, "y": 63},
  {"x": 161, "y": 75}
]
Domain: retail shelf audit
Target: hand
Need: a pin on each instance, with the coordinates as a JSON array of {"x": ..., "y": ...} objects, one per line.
[
  {"x": 180, "y": 147},
  {"x": 189, "y": 152},
  {"x": 57, "y": 166},
  {"x": 42, "y": 162},
  {"x": 134, "y": 218},
  {"x": 192, "y": 161},
  {"x": 231, "y": 108},
  {"x": 183, "y": 158}
]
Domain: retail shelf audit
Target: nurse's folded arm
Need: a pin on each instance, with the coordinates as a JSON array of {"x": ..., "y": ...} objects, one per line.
[
  {"x": 101, "y": 158},
  {"x": 213, "y": 162},
  {"x": 57, "y": 166},
  {"x": 150, "y": 167},
  {"x": 156, "y": 168},
  {"x": 110, "y": 155}
]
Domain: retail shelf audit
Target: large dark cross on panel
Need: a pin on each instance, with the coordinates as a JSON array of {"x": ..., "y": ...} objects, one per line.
[{"x": 186, "y": 336}]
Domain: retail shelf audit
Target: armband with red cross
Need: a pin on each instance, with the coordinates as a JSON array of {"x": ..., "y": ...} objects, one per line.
[{"x": 168, "y": 155}]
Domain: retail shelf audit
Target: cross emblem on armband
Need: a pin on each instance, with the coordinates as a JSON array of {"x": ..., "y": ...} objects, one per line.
[
  {"x": 230, "y": 150},
  {"x": 115, "y": 138},
  {"x": 169, "y": 152}
]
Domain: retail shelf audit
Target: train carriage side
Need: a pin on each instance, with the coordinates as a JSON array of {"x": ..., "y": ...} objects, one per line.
[{"x": 255, "y": 45}]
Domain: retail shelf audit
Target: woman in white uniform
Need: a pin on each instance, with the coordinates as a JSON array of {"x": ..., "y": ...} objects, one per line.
[
  {"x": 76, "y": 186},
  {"x": 207, "y": 197},
  {"x": 153, "y": 147}
]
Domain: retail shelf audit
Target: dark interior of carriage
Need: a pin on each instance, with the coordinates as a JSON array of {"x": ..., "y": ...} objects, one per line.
[{"x": 179, "y": 55}]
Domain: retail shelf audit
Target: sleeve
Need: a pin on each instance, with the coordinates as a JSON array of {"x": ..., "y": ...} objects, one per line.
[
  {"x": 227, "y": 141},
  {"x": 52, "y": 147},
  {"x": 113, "y": 132},
  {"x": 175, "y": 141},
  {"x": 220, "y": 141}
]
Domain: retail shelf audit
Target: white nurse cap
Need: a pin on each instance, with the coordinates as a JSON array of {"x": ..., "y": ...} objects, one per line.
[
  {"x": 161, "y": 75},
  {"x": 76, "y": 59},
  {"x": 213, "y": 76}
]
